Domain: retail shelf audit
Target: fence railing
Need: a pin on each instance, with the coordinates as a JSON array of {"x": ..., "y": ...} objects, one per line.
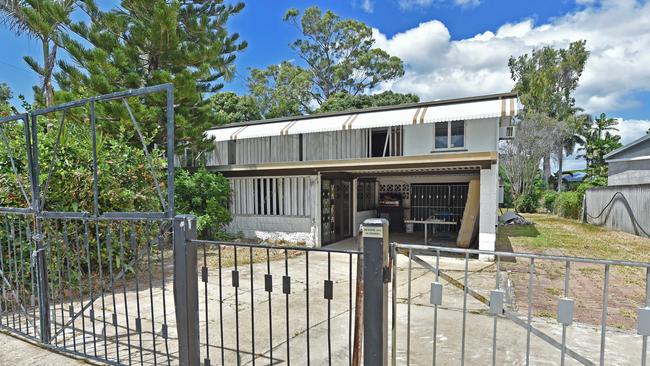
[
  {"x": 565, "y": 312},
  {"x": 242, "y": 303}
]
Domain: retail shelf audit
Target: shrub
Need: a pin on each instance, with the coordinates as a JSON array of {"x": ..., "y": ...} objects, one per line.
[
  {"x": 568, "y": 204},
  {"x": 548, "y": 200},
  {"x": 205, "y": 195},
  {"x": 528, "y": 202}
]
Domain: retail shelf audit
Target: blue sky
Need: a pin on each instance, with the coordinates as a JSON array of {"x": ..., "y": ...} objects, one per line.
[{"x": 453, "y": 48}]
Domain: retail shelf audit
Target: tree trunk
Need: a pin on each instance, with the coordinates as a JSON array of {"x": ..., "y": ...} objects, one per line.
[
  {"x": 547, "y": 168},
  {"x": 560, "y": 161}
]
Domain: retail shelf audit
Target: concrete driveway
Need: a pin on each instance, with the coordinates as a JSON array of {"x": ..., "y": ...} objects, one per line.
[{"x": 275, "y": 328}]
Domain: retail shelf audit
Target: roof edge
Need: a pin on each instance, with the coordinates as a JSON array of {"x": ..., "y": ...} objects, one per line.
[
  {"x": 477, "y": 98},
  {"x": 625, "y": 147}
]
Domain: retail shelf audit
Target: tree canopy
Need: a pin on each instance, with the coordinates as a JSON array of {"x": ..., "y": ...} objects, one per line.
[
  {"x": 46, "y": 21},
  {"x": 343, "y": 101},
  {"x": 229, "y": 107},
  {"x": 142, "y": 43},
  {"x": 545, "y": 81},
  {"x": 339, "y": 57}
]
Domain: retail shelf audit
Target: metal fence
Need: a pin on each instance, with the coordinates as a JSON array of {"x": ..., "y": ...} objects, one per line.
[
  {"x": 260, "y": 304},
  {"x": 549, "y": 325},
  {"x": 623, "y": 208},
  {"x": 86, "y": 283}
]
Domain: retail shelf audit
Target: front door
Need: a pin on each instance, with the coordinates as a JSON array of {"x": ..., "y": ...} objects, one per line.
[{"x": 336, "y": 210}]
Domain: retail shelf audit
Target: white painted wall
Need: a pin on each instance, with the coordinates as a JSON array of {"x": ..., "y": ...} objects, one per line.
[
  {"x": 480, "y": 135},
  {"x": 488, "y": 210},
  {"x": 291, "y": 229}
]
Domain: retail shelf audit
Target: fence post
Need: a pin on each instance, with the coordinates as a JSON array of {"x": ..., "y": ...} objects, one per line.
[
  {"x": 375, "y": 299},
  {"x": 186, "y": 291}
]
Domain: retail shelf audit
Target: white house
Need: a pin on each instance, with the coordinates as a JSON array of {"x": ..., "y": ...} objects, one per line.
[{"x": 316, "y": 178}]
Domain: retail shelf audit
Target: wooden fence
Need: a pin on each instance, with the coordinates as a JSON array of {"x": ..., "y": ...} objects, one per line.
[{"x": 624, "y": 208}]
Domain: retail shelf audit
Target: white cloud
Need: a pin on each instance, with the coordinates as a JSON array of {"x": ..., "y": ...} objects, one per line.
[
  {"x": 413, "y": 4},
  {"x": 617, "y": 34},
  {"x": 368, "y": 6},
  {"x": 410, "y": 4},
  {"x": 632, "y": 129}
]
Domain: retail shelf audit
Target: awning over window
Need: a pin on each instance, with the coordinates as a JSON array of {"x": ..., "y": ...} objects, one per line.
[{"x": 424, "y": 113}]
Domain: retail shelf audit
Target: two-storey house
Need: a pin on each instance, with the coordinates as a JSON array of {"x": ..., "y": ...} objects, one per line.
[{"x": 315, "y": 178}]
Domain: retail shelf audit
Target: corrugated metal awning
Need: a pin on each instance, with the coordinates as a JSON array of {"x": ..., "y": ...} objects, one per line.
[{"x": 495, "y": 108}]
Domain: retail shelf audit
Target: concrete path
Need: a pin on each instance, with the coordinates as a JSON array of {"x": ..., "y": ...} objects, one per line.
[
  {"x": 15, "y": 351},
  {"x": 273, "y": 328}
]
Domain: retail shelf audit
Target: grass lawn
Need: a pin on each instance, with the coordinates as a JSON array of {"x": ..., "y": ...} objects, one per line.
[
  {"x": 558, "y": 236},
  {"x": 555, "y": 235}
]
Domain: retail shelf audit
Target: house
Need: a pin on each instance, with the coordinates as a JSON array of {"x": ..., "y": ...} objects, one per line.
[
  {"x": 316, "y": 178},
  {"x": 630, "y": 164}
]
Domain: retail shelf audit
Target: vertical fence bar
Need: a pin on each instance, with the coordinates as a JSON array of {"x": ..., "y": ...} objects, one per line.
[
  {"x": 531, "y": 271},
  {"x": 603, "y": 329},
  {"x": 567, "y": 274},
  {"x": 462, "y": 347},
  {"x": 408, "y": 308},
  {"x": 186, "y": 292},
  {"x": 393, "y": 352},
  {"x": 375, "y": 300},
  {"x": 435, "y": 312},
  {"x": 41, "y": 265},
  {"x": 644, "y": 351},
  {"x": 496, "y": 317}
]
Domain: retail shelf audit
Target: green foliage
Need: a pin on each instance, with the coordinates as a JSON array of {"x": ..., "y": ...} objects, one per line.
[
  {"x": 598, "y": 142},
  {"x": 281, "y": 90},
  {"x": 143, "y": 43},
  {"x": 228, "y": 107},
  {"x": 546, "y": 79},
  {"x": 527, "y": 202},
  {"x": 545, "y": 82},
  {"x": 339, "y": 56},
  {"x": 343, "y": 101},
  {"x": 205, "y": 195},
  {"x": 590, "y": 183},
  {"x": 568, "y": 204},
  {"x": 44, "y": 20},
  {"x": 125, "y": 182},
  {"x": 548, "y": 200}
]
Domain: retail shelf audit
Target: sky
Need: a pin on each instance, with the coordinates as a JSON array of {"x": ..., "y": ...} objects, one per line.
[{"x": 453, "y": 48}]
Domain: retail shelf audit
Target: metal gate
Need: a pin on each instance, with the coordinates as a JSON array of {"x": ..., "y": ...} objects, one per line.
[{"x": 96, "y": 284}]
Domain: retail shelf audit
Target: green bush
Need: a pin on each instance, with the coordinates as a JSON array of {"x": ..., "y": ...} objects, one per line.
[
  {"x": 205, "y": 195},
  {"x": 548, "y": 200},
  {"x": 568, "y": 204},
  {"x": 528, "y": 202}
]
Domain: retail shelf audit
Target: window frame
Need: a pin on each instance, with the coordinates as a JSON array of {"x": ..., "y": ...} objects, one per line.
[{"x": 449, "y": 148}]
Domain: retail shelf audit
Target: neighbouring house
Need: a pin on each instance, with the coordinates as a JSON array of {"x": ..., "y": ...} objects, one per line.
[
  {"x": 316, "y": 178},
  {"x": 630, "y": 164}
]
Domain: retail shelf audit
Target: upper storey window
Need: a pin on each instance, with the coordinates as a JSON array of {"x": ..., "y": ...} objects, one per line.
[{"x": 449, "y": 135}]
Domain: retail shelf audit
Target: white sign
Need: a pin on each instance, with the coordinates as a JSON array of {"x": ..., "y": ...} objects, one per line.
[{"x": 373, "y": 232}]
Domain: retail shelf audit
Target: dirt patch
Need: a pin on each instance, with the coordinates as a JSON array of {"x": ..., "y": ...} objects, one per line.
[{"x": 585, "y": 288}]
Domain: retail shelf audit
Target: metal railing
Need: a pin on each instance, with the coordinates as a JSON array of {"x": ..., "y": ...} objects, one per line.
[
  {"x": 530, "y": 273},
  {"x": 82, "y": 282},
  {"x": 263, "y": 304}
]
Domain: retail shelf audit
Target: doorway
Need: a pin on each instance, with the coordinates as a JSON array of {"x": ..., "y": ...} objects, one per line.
[{"x": 336, "y": 210}]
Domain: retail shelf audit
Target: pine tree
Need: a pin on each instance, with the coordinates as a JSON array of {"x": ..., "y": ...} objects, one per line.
[{"x": 144, "y": 43}]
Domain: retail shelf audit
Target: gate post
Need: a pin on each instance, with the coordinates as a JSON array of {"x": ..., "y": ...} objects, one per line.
[
  {"x": 375, "y": 291},
  {"x": 186, "y": 291},
  {"x": 42, "y": 282}
]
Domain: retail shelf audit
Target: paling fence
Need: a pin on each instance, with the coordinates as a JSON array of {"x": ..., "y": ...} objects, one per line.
[{"x": 623, "y": 208}]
